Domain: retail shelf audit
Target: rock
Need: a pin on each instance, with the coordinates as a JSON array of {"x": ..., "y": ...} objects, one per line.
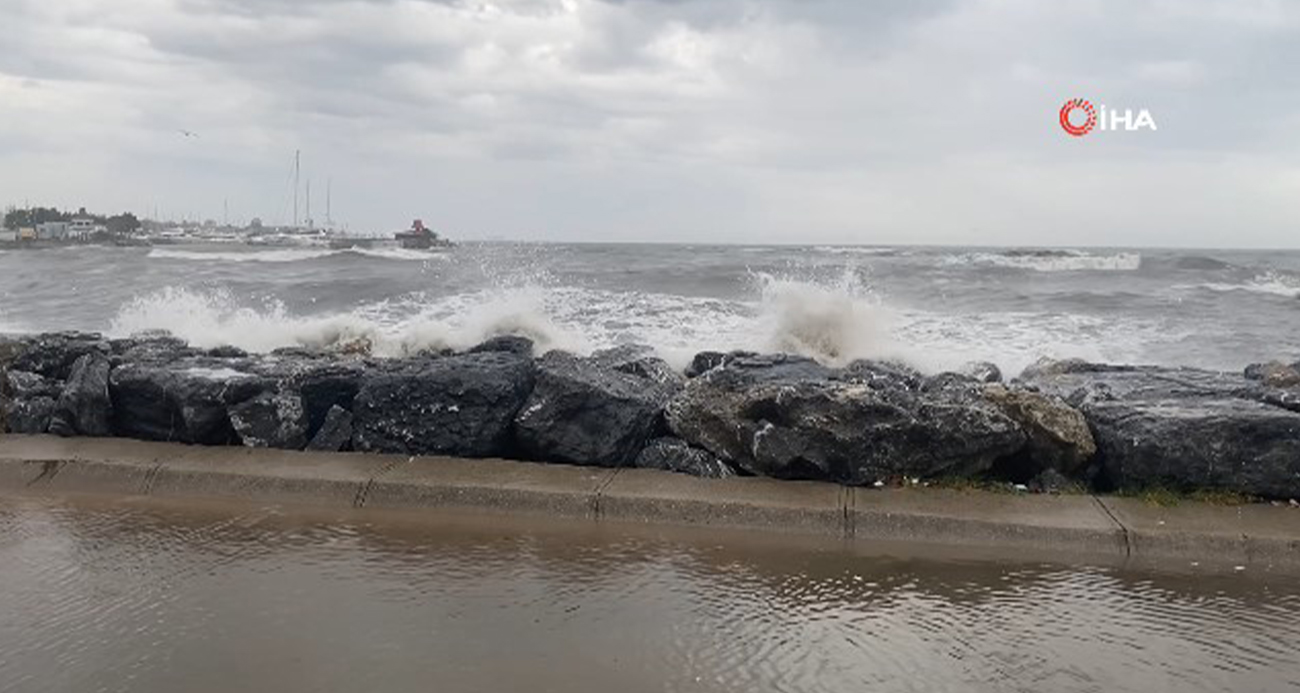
[
  {"x": 84, "y": 407},
  {"x": 454, "y": 405},
  {"x": 326, "y": 385},
  {"x": 599, "y": 410},
  {"x": 1185, "y": 428},
  {"x": 271, "y": 420},
  {"x": 870, "y": 422},
  {"x": 30, "y": 415},
  {"x": 335, "y": 433},
  {"x": 1058, "y": 434},
  {"x": 184, "y": 401},
  {"x": 1274, "y": 374},
  {"x": 227, "y": 352},
  {"x": 52, "y": 354},
  {"x": 704, "y": 362},
  {"x": 511, "y": 344},
  {"x": 983, "y": 371},
  {"x": 27, "y": 401},
  {"x": 675, "y": 455},
  {"x": 1244, "y": 446}
]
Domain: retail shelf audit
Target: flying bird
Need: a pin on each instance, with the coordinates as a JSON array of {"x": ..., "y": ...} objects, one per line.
[{"x": 187, "y": 133}]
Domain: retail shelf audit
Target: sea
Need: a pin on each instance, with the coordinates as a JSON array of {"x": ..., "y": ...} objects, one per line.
[{"x": 933, "y": 307}]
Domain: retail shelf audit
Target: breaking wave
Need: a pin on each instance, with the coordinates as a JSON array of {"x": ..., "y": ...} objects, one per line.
[
  {"x": 1271, "y": 282},
  {"x": 1050, "y": 261},
  {"x": 279, "y": 255}
]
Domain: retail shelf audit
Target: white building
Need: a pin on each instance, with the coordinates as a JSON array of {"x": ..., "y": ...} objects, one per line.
[
  {"x": 52, "y": 231},
  {"x": 8, "y": 236}
]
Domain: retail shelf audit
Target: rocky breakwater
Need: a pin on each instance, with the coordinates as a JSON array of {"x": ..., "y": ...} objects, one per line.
[{"x": 1058, "y": 423}]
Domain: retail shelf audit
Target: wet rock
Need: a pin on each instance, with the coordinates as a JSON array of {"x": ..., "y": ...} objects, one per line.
[
  {"x": 704, "y": 362},
  {"x": 271, "y": 420},
  {"x": 53, "y": 354},
  {"x": 675, "y": 455},
  {"x": 30, "y": 415},
  {"x": 184, "y": 401},
  {"x": 27, "y": 401},
  {"x": 324, "y": 386},
  {"x": 983, "y": 371},
  {"x": 227, "y": 352},
  {"x": 84, "y": 407},
  {"x": 1058, "y": 434},
  {"x": 335, "y": 432},
  {"x": 871, "y": 422},
  {"x": 885, "y": 375},
  {"x": 599, "y": 410},
  {"x": 1185, "y": 428},
  {"x": 455, "y": 405},
  {"x": 1274, "y": 374},
  {"x": 511, "y": 344}
]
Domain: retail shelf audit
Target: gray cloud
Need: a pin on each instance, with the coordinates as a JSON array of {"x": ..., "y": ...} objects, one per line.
[{"x": 719, "y": 120}]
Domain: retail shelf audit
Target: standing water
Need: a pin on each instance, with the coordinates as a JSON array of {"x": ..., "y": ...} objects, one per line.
[{"x": 127, "y": 596}]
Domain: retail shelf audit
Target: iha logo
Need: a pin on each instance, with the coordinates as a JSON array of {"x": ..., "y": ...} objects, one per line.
[{"x": 1079, "y": 117}]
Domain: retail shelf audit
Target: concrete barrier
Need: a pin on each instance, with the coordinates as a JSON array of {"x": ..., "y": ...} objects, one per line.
[{"x": 1075, "y": 527}]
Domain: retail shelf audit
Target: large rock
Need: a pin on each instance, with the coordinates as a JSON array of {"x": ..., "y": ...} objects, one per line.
[
  {"x": 84, "y": 406},
  {"x": 335, "y": 433},
  {"x": 454, "y": 405},
  {"x": 599, "y": 410},
  {"x": 28, "y": 401},
  {"x": 53, "y": 354},
  {"x": 1274, "y": 374},
  {"x": 1183, "y": 427},
  {"x": 513, "y": 344},
  {"x": 1058, "y": 434},
  {"x": 186, "y": 401},
  {"x": 675, "y": 455},
  {"x": 271, "y": 420},
  {"x": 788, "y": 418}
]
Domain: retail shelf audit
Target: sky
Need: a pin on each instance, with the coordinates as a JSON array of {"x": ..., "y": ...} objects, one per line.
[{"x": 720, "y": 121}]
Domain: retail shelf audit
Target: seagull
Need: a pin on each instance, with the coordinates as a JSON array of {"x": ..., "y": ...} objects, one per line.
[{"x": 187, "y": 133}]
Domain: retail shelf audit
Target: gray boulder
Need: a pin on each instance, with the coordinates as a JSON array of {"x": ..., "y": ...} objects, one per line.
[
  {"x": 599, "y": 410},
  {"x": 983, "y": 371},
  {"x": 1058, "y": 434},
  {"x": 53, "y": 354},
  {"x": 271, "y": 420},
  {"x": 675, "y": 455},
  {"x": 790, "y": 419},
  {"x": 1184, "y": 428},
  {"x": 335, "y": 433},
  {"x": 454, "y": 405},
  {"x": 27, "y": 401},
  {"x": 513, "y": 344},
  {"x": 84, "y": 406},
  {"x": 184, "y": 401},
  {"x": 1274, "y": 374}
]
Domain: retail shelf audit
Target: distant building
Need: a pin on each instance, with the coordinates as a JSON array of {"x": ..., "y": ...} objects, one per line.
[
  {"x": 7, "y": 236},
  {"x": 27, "y": 233},
  {"x": 52, "y": 231},
  {"x": 81, "y": 227}
]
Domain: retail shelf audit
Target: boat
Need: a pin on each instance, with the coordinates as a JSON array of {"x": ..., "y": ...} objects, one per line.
[{"x": 420, "y": 237}]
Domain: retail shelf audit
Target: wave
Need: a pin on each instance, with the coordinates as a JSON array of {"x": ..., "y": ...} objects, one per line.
[
  {"x": 292, "y": 254},
  {"x": 1049, "y": 261},
  {"x": 854, "y": 250},
  {"x": 1271, "y": 282}
]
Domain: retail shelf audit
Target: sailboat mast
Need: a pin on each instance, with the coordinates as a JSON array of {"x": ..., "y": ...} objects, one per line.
[
  {"x": 307, "y": 219},
  {"x": 297, "y": 154},
  {"x": 329, "y": 189}
]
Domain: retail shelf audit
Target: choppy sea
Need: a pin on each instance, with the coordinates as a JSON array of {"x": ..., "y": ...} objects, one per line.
[{"x": 934, "y": 307}]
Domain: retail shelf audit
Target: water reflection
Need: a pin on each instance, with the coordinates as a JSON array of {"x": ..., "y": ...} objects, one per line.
[{"x": 150, "y": 598}]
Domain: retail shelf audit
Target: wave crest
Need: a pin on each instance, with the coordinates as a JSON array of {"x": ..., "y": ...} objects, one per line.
[{"x": 1050, "y": 261}]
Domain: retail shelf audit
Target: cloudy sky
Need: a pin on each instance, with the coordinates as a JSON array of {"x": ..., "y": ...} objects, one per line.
[{"x": 838, "y": 121}]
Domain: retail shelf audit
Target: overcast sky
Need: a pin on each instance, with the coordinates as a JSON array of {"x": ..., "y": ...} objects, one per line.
[{"x": 829, "y": 121}]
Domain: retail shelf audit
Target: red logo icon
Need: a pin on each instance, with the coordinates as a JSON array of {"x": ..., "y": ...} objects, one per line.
[{"x": 1089, "y": 122}]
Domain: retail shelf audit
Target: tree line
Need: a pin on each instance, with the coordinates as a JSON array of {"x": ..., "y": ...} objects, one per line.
[{"x": 118, "y": 224}]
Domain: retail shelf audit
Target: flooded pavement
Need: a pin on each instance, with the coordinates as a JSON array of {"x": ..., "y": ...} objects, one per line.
[{"x": 129, "y": 595}]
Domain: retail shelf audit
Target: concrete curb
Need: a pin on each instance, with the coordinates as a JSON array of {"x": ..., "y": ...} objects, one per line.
[{"x": 1071, "y": 527}]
